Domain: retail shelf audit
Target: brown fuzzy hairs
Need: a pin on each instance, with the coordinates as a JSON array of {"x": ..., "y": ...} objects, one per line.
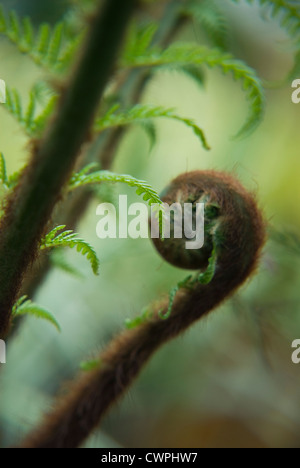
[{"x": 243, "y": 235}]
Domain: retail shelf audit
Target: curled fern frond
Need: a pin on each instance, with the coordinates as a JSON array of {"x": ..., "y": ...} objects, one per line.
[
  {"x": 186, "y": 54},
  {"x": 32, "y": 121},
  {"x": 70, "y": 239},
  {"x": 142, "y": 188},
  {"x": 25, "y": 306},
  {"x": 48, "y": 47},
  {"x": 211, "y": 19},
  {"x": 143, "y": 115}
]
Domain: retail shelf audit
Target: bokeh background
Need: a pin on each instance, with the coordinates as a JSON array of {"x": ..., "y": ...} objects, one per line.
[{"x": 229, "y": 381}]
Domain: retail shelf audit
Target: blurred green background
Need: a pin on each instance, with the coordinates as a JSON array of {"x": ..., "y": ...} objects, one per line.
[{"x": 229, "y": 381}]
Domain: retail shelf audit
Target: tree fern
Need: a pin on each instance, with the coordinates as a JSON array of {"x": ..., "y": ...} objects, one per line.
[
  {"x": 144, "y": 114},
  {"x": 70, "y": 239},
  {"x": 184, "y": 54},
  {"x": 25, "y": 306},
  {"x": 48, "y": 47}
]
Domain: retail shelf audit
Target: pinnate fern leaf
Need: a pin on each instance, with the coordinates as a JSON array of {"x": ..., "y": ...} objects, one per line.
[
  {"x": 32, "y": 120},
  {"x": 69, "y": 239},
  {"x": 48, "y": 46},
  {"x": 25, "y": 306},
  {"x": 183, "y": 54},
  {"x": 142, "y": 188},
  {"x": 143, "y": 115}
]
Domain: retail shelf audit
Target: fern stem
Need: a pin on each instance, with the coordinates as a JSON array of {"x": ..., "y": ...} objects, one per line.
[
  {"x": 29, "y": 208},
  {"x": 243, "y": 234}
]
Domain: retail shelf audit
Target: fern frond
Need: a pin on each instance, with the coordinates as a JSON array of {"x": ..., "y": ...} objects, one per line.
[
  {"x": 48, "y": 47},
  {"x": 186, "y": 54},
  {"x": 286, "y": 11},
  {"x": 139, "y": 39},
  {"x": 211, "y": 19},
  {"x": 142, "y": 187},
  {"x": 32, "y": 122},
  {"x": 142, "y": 114},
  {"x": 25, "y": 306},
  {"x": 70, "y": 239},
  {"x": 14, "y": 178}
]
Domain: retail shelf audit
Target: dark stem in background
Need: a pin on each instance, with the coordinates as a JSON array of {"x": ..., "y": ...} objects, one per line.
[
  {"x": 30, "y": 206},
  {"x": 242, "y": 235}
]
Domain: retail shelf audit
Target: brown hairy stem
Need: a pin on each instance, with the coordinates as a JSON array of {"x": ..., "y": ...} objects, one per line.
[
  {"x": 242, "y": 236},
  {"x": 30, "y": 206}
]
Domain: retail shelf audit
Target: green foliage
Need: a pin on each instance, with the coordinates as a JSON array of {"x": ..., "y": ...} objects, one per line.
[
  {"x": 143, "y": 115},
  {"x": 7, "y": 181},
  {"x": 143, "y": 188},
  {"x": 48, "y": 47},
  {"x": 286, "y": 11},
  {"x": 189, "y": 282},
  {"x": 139, "y": 39},
  {"x": 136, "y": 321},
  {"x": 70, "y": 239},
  {"x": 288, "y": 14},
  {"x": 32, "y": 120},
  {"x": 211, "y": 19},
  {"x": 25, "y": 306},
  {"x": 187, "y": 54},
  {"x": 88, "y": 366}
]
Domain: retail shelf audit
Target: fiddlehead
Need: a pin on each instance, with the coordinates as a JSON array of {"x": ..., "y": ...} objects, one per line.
[{"x": 236, "y": 225}]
